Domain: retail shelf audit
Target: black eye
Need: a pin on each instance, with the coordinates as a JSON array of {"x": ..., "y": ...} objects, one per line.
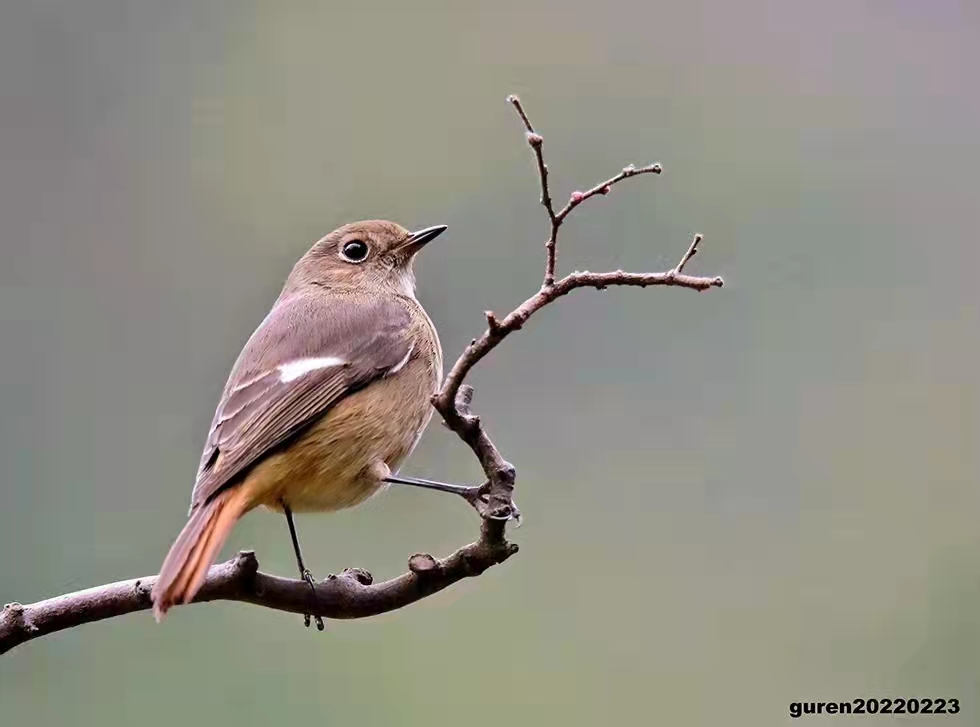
[{"x": 355, "y": 251}]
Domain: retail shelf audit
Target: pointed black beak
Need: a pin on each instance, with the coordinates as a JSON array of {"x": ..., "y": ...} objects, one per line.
[{"x": 417, "y": 239}]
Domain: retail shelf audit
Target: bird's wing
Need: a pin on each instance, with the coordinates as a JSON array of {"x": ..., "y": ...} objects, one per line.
[{"x": 309, "y": 352}]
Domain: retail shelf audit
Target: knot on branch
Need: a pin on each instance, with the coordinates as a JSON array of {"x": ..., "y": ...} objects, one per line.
[
  {"x": 470, "y": 422},
  {"x": 491, "y": 550},
  {"x": 359, "y": 575},
  {"x": 504, "y": 474},
  {"x": 423, "y": 564},
  {"x": 464, "y": 398},
  {"x": 142, "y": 592},
  {"x": 493, "y": 324},
  {"x": 246, "y": 563},
  {"x": 14, "y": 614}
]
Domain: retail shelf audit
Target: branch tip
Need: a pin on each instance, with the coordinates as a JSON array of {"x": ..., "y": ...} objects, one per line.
[
  {"x": 492, "y": 323},
  {"x": 464, "y": 398},
  {"x": 691, "y": 252},
  {"x": 516, "y": 103}
]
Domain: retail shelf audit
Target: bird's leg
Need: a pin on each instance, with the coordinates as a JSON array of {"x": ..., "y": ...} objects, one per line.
[
  {"x": 464, "y": 491},
  {"x": 304, "y": 572},
  {"x": 477, "y": 496}
]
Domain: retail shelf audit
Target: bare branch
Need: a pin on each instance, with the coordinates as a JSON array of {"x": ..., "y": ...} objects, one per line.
[
  {"x": 352, "y": 594},
  {"x": 349, "y": 595},
  {"x": 516, "y": 319},
  {"x": 536, "y": 141}
]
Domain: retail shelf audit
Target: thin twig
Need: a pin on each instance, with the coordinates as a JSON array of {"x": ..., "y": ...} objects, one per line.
[
  {"x": 604, "y": 188},
  {"x": 691, "y": 252},
  {"x": 536, "y": 142},
  {"x": 516, "y": 319}
]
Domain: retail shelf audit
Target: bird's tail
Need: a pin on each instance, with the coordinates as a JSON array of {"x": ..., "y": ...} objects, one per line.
[{"x": 186, "y": 565}]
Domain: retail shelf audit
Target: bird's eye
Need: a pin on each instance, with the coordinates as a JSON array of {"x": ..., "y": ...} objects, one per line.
[{"x": 355, "y": 251}]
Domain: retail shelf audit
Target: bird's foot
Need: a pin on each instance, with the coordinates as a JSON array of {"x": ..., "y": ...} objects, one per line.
[
  {"x": 479, "y": 499},
  {"x": 477, "y": 496},
  {"x": 308, "y": 577}
]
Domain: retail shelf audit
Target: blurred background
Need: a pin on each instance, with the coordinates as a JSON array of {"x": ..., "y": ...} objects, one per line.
[{"x": 733, "y": 500}]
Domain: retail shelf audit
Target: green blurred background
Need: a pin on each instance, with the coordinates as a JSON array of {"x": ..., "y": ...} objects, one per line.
[{"x": 733, "y": 499}]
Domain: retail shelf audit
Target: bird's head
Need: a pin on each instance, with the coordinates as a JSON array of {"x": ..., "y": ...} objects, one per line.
[{"x": 372, "y": 254}]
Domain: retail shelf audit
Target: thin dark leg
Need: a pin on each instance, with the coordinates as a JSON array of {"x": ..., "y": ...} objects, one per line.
[
  {"x": 462, "y": 490},
  {"x": 477, "y": 496},
  {"x": 304, "y": 573}
]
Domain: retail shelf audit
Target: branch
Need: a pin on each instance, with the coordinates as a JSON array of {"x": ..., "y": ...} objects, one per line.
[
  {"x": 536, "y": 141},
  {"x": 352, "y": 594},
  {"x": 346, "y": 596}
]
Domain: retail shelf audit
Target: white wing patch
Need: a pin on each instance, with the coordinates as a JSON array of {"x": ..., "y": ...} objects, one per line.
[
  {"x": 294, "y": 369},
  {"x": 401, "y": 364}
]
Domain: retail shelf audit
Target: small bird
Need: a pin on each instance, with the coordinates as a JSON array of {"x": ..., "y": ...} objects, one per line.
[{"x": 329, "y": 396}]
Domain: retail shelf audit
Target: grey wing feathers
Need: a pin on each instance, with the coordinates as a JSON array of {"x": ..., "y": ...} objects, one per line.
[{"x": 342, "y": 344}]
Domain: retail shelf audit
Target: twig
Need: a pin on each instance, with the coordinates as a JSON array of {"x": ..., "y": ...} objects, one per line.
[
  {"x": 352, "y": 594},
  {"x": 691, "y": 252},
  {"x": 536, "y": 141},
  {"x": 605, "y": 188}
]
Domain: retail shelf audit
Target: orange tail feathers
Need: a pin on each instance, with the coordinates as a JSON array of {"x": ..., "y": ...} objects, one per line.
[{"x": 186, "y": 565}]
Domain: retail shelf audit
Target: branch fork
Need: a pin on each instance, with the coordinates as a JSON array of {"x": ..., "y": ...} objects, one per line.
[{"x": 353, "y": 593}]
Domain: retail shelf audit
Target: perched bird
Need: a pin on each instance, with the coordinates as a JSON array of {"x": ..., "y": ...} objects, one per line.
[{"x": 328, "y": 397}]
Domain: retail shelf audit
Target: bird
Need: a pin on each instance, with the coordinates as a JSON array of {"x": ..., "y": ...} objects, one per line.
[{"x": 329, "y": 396}]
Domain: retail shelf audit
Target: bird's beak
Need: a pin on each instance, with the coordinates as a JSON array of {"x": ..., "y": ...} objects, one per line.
[{"x": 416, "y": 240}]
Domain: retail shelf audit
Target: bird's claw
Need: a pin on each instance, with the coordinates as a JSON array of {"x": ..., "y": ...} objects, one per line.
[
  {"x": 479, "y": 498},
  {"x": 505, "y": 513},
  {"x": 308, "y": 577}
]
